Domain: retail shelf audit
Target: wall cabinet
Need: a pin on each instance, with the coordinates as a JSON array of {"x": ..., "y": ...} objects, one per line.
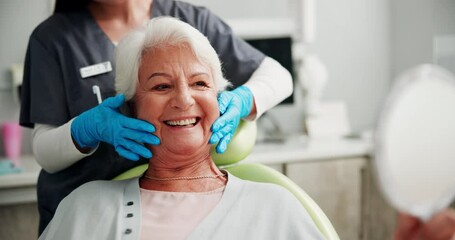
[
  {"x": 346, "y": 191},
  {"x": 19, "y": 221}
]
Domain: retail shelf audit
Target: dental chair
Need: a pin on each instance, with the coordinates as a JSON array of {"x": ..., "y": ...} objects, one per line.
[{"x": 240, "y": 147}]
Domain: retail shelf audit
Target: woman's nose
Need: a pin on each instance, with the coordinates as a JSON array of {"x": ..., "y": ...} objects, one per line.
[{"x": 183, "y": 98}]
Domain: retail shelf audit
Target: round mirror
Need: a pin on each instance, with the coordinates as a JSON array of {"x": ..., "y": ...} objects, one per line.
[{"x": 414, "y": 153}]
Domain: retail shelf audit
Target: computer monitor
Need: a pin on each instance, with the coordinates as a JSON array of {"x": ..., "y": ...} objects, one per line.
[{"x": 279, "y": 49}]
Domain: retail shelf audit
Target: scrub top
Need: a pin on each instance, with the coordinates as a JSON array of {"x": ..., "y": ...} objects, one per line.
[{"x": 54, "y": 92}]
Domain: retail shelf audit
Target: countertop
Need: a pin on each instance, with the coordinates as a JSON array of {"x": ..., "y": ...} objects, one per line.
[
  {"x": 28, "y": 176},
  {"x": 304, "y": 149}
]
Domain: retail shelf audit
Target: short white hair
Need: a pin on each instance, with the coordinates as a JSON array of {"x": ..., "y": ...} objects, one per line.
[{"x": 159, "y": 32}]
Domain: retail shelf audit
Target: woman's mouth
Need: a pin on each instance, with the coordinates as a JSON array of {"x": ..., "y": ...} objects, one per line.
[{"x": 188, "y": 122}]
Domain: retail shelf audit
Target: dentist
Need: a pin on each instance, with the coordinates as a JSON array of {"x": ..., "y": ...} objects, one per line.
[{"x": 75, "y": 140}]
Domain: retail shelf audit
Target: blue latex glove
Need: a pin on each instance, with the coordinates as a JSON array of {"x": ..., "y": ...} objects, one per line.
[
  {"x": 104, "y": 123},
  {"x": 234, "y": 105}
]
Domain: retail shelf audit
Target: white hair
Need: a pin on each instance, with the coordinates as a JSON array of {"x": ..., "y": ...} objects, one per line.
[{"x": 159, "y": 32}]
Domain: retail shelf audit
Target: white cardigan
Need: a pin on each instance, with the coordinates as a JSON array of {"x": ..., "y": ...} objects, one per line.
[{"x": 248, "y": 210}]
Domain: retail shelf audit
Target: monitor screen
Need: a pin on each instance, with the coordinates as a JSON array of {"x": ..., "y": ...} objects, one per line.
[{"x": 279, "y": 49}]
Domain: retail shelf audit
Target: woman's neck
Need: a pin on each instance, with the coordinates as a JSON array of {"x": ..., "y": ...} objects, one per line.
[
  {"x": 116, "y": 19},
  {"x": 197, "y": 173}
]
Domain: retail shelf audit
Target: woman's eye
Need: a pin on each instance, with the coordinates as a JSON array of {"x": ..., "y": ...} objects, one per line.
[
  {"x": 161, "y": 87},
  {"x": 200, "y": 84}
]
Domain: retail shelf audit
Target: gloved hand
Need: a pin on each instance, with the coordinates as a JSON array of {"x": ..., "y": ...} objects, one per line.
[
  {"x": 104, "y": 123},
  {"x": 233, "y": 106}
]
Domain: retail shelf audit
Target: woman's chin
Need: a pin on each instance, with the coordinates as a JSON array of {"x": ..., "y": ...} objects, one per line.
[
  {"x": 187, "y": 146},
  {"x": 184, "y": 140}
]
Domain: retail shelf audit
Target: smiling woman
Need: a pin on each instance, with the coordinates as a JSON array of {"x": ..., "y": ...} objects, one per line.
[
  {"x": 171, "y": 77},
  {"x": 184, "y": 96}
]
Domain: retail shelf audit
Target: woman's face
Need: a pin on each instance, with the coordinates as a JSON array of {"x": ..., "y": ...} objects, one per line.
[{"x": 176, "y": 93}]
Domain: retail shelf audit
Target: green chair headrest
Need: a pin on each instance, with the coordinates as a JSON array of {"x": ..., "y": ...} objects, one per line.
[{"x": 240, "y": 147}]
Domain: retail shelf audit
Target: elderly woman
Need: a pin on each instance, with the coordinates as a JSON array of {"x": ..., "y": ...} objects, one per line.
[{"x": 170, "y": 67}]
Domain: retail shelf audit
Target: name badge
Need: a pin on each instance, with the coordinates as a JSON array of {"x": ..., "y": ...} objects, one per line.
[{"x": 96, "y": 69}]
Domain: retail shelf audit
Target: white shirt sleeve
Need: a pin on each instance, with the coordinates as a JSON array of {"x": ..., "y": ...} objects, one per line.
[
  {"x": 53, "y": 147},
  {"x": 270, "y": 84}
]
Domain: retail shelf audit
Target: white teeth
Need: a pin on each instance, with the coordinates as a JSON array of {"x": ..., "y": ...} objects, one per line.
[{"x": 182, "y": 122}]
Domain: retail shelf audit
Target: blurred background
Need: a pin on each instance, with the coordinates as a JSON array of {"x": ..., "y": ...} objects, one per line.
[{"x": 343, "y": 55}]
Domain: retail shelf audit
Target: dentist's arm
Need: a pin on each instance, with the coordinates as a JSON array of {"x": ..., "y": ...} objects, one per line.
[
  {"x": 58, "y": 148},
  {"x": 270, "y": 84},
  {"x": 53, "y": 147}
]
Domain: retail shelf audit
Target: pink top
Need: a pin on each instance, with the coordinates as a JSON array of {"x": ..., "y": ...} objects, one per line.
[{"x": 174, "y": 215}]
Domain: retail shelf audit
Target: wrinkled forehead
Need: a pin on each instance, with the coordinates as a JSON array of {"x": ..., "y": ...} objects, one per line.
[{"x": 171, "y": 58}]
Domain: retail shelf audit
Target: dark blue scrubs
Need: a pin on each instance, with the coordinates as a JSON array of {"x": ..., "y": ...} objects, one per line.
[{"x": 54, "y": 92}]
